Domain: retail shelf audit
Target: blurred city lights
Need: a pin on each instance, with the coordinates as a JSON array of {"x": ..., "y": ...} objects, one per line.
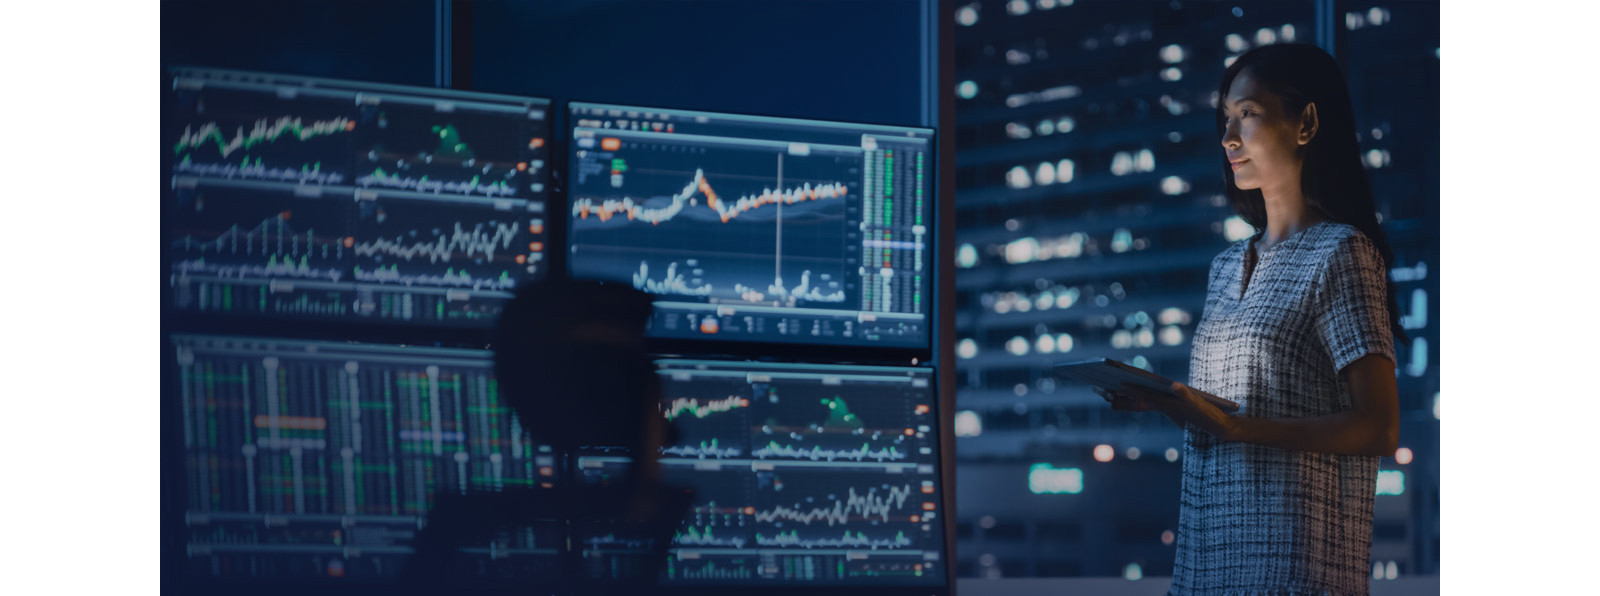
[
  {"x": 1391, "y": 482},
  {"x": 1045, "y": 479},
  {"x": 968, "y": 424},
  {"x": 1104, "y": 453}
]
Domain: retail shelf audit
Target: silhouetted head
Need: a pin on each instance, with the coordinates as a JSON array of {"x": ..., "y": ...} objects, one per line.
[
  {"x": 571, "y": 362},
  {"x": 1284, "y": 119}
]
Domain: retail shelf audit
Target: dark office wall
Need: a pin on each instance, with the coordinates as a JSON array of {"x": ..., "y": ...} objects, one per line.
[
  {"x": 389, "y": 41},
  {"x": 831, "y": 59},
  {"x": 854, "y": 60}
]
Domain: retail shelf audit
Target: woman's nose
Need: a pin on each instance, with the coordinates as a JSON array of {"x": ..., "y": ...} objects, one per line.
[{"x": 1230, "y": 137}]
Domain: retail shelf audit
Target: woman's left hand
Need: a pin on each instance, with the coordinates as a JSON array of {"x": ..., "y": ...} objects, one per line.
[{"x": 1182, "y": 403}]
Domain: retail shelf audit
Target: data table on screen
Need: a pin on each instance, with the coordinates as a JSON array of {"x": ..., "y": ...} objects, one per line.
[{"x": 311, "y": 459}]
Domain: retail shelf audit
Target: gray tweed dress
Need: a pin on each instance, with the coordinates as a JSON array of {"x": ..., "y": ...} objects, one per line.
[{"x": 1263, "y": 520}]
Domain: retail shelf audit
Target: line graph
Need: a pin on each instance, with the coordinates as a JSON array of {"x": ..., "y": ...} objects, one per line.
[
  {"x": 703, "y": 450},
  {"x": 306, "y": 174},
  {"x": 450, "y": 278},
  {"x": 817, "y": 453},
  {"x": 271, "y": 248},
  {"x": 407, "y": 206},
  {"x": 693, "y": 536},
  {"x": 263, "y": 137},
  {"x": 256, "y": 252},
  {"x": 857, "y": 540},
  {"x": 474, "y": 186},
  {"x": 800, "y": 465},
  {"x": 264, "y": 130},
  {"x": 690, "y": 405},
  {"x": 805, "y": 291},
  {"x": 458, "y": 242},
  {"x": 871, "y": 504},
  {"x": 710, "y": 223},
  {"x": 423, "y": 243},
  {"x": 636, "y": 210},
  {"x": 671, "y": 282}
]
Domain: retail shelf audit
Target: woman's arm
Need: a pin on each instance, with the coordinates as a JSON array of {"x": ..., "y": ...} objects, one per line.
[{"x": 1370, "y": 427}]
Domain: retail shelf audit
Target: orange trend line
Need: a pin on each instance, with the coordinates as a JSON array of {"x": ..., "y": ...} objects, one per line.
[{"x": 635, "y": 211}]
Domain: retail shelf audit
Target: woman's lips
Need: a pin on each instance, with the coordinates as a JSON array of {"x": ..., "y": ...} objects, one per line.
[{"x": 1238, "y": 162}]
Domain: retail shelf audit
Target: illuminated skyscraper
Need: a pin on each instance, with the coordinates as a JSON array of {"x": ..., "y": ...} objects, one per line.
[{"x": 1089, "y": 207}]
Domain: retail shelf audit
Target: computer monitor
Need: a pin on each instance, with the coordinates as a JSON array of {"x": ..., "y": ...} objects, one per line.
[
  {"x": 316, "y": 462},
  {"x": 757, "y": 229},
  {"x": 325, "y": 200},
  {"x": 804, "y": 474}
]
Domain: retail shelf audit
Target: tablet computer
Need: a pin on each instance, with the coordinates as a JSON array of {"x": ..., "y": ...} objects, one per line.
[{"x": 1106, "y": 373}]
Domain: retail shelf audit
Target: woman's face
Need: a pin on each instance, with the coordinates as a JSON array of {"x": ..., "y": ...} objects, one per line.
[{"x": 1260, "y": 138}]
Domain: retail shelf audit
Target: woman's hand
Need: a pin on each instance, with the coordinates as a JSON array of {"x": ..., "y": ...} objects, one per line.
[
  {"x": 1181, "y": 405},
  {"x": 1131, "y": 398}
]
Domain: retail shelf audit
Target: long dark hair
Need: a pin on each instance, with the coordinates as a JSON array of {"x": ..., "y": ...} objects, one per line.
[{"x": 1331, "y": 179}]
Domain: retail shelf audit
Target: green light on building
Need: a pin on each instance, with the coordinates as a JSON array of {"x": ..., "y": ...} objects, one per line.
[
  {"x": 1045, "y": 479},
  {"x": 1391, "y": 482}
]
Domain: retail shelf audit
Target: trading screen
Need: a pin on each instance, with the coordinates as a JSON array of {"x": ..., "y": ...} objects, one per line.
[
  {"x": 311, "y": 459},
  {"x": 755, "y": 228},
  {"x": 316, "y": 199},
  {"x": 813, "y": 473}
]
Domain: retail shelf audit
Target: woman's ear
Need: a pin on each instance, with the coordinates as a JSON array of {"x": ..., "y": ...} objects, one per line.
[{"x": 1308, "y": 123}]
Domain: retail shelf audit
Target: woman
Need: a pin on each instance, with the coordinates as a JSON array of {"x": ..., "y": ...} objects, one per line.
[{"x": 1277, "y": 498}]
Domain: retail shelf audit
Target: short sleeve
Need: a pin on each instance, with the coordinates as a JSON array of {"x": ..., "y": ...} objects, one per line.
[{"x": 1352, "y": 303}]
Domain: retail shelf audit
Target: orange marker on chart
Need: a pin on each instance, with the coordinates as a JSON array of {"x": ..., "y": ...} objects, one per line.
[
  {"x": 708, "y": 326},
  {"x": 536, "y": 143},
  {"x": 536, "y": 246},
  {"x": 522, "y": 166},
  {"x": 610, "y": 143}
]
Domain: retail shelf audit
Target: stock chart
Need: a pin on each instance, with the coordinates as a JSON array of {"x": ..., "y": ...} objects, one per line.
[
  {"x": 309, "y": 459},
  {"x": 815, "y": 473},
  {"x": 760, "y": 229},
  {"x": 308, "y": 198}
]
